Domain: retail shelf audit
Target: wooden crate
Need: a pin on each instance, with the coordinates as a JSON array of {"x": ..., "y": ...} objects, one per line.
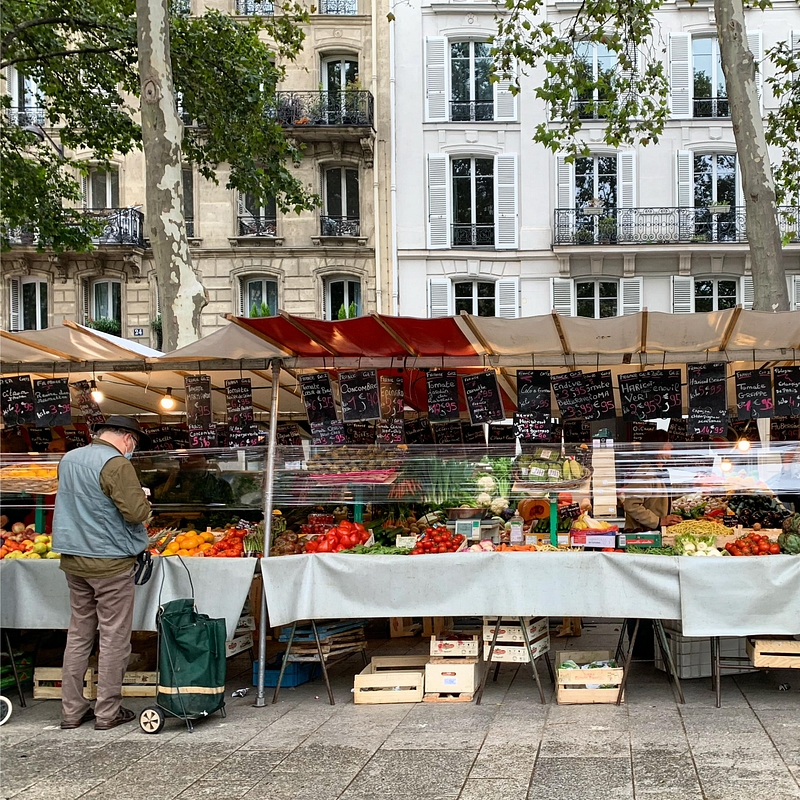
[
  {"x": 139, "y": 684},
  {"x": 47, "y": 683},
  {"x": 378, "y": 682},
  {"x": 402, "y": 626},
  {"x": 568, "y": 678},
  {"x": 775, "y": 653},
  {"x": 434, "y": 625}
]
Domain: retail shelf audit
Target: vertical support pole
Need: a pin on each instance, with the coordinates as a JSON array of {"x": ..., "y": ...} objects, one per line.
[
  {"x": 553, "y": 519},
  {"x": 358, "y": 506},
  {"x": 39, "y": 517},
  {"x": 269, "y": 482}
]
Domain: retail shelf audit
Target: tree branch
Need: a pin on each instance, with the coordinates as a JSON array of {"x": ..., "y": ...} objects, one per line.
[
  {"x": 35, "y": 23},
  {"x": 61, "y": 53}
]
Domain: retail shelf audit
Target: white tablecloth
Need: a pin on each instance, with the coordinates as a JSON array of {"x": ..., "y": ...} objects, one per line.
[
  {"x": 34, "y": 593},
  {"x": 724, "y": 596}
]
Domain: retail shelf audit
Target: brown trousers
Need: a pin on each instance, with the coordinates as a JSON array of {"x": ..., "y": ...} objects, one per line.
[{"x": 107, "y": 602}]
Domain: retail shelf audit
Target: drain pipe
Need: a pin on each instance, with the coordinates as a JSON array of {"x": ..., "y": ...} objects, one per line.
[
  {"x": 376, "y": 215},
  {"x": 393, "y": 172}
]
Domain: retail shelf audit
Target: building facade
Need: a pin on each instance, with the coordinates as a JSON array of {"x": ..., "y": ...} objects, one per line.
[
  {"x": 509, "y": 229},
  {"x": 250, "y": 259}
]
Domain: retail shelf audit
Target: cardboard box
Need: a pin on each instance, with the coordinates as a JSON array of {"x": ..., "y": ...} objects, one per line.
[
  {"x": 238, "y": 645},
  {"x": 590, "y": 539},
  {"x": 639, "y": 539},
  {"x": 451, "y": 678},
  {"x": 454, "y": 644},
  {"x": 512, "y": 632},
  {"x": 246, "y": 623},
  {"x": 517, "y": 653}
]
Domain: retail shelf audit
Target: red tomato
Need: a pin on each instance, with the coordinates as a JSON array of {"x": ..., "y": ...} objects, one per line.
[
  {"x": 358, "y": 526},
  {"x": 774, "y": 549},
  {"x": 346, "y": 525},
  {"x": 323, "y": 546},
  {"x": 311, "y": 547},
  {"x": 441, "y": 548},
  {"x": 735, "y": 551}
]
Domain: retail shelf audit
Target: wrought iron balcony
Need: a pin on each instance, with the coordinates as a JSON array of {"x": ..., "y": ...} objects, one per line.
[
  {"x": 340, "y": 226},
  {"x": 121, "y": 226},
  {"x": 642, "y": 226},
  {"x": 342, "y": 7},
  {"x": 255, "y": 8},
  {"x": 464, "y": 235},
  {"x": 25, "y": 116},
  {"x": 471, "y": 110},
  {"x": 351, "y": 108},
  {"x": 711, "y": 107},
  {"x": 591, "y": 109},
  {"x": 250, "y": 225}
]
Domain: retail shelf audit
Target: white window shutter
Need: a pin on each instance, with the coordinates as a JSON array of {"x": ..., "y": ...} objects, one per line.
[
  {"x": 746, "y": 292},
  {"x": 794, "y": 44},
  {"x": 438, "y": 217},
  {"x": 15, "y": 310},
  {"x": 326, "y": 300},
  {"x": 505, "y": 103},
  {"x": 626, "y": 169},
  {"x": 796, "y": 292},
  {"x": 630, "y": 290},
  {"x": 682, "y": 294},
  {"x": 680, "y": 75},
  {"x": 436, "y": 79},
  {"x": 85, "y": 190},
  {"x": 755, "y": 43},
  {"x": 562, "y": 296},
  {"x": 565, "y": 183},
  {"x": 439, "y": 297},
  {"x": 86, "y": 290},
  {"x": 240, "y": 309},
  {"x": 506, "y": 222},
  {"x": 685, "y": 179},
  {"x": 507, "y": 298}
]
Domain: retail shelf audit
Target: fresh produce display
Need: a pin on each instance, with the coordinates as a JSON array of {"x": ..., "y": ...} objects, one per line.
[
  {"x": 354, "y": 458},
  {"x": 437, "y": 539},
  {"x": 789, "y": 540},
  {"x": 546, "y": 466},
  {"x": 758, "y": 509},
  {"x": 378, "y": 550},
  {"x": 317, "y": 524},
  {"x": 700, "y": 528},
  {"x": 39, "y": 478},
  {"x": 652, "y": 551},
  {"x": 585, "y": 522},
  {"x": 23, "y": 542},
  {"x": 698, "y": 505},
  {"x": 344, "y": 536},
  {"x": 696, "y": 544},
  {"x": 754, "y": 544},
  {"x": 288, "y": 544}
]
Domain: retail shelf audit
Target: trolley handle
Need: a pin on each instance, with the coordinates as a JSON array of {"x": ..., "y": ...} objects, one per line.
[{"x": 163, "y": 574}]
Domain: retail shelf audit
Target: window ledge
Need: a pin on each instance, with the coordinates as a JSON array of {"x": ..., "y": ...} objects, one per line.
[
  {"x": 481, "y": 6},
  {"x": 195, "y": 241},
  {"x": 341, "y": 241},
  {"x": 256, "y": 241}
]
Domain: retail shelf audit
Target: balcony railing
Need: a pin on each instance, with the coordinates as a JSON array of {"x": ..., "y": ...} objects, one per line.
[
  {"x": 342, "y": 7},
  {"x": 344, "y": 108},
  {"x": 250, "y": 225},
  {"x": 25, "y": 116},
  {"x": 121, "y": 226},
  {"x": 711, "y": 107},
  {"x": 255, "y": 8},
  {"x": 471, "y": 110},
  {"x": 340, "y": 226},
  {"x": 591, "y": 109},
  {"x": 638, "y": 226},
  {"x": 472, "y": 235}
]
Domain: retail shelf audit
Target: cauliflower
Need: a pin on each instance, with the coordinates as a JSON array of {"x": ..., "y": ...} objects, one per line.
[
  {"x": 483, "y": 499},
  {"x": 486, "y": 483},
  {"x": 499, "y": 505}
]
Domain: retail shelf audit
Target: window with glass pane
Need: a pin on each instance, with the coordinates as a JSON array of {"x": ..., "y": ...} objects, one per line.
[
  {"x": 188, "y": 200},
  {"x": 710, "y": 94},
  {"x": 261, "y": 297},
  {"x": 715, "y": 184},
  {"x": 472, "y": 95},
  {"x": 714, "y": 295},
  {"x": 103, "y": 189},
  {"x": 473, "y": 202},
  {"x": 107, "y": 300},
  {"x": 341, "y": 193},
  {"x": 595, "y": 65},
  {"x": 596, "y": 299},
  {"x": 475, "y": 297},
  {"x": 34, "y": 305},
  {"x": 596, "y": 177},
  {"x": 344, "y": 299},
  {"x": 339, "y": 74}
]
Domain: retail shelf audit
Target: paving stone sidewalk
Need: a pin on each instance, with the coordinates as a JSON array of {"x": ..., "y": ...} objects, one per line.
[{"x": 509, "y": 748}]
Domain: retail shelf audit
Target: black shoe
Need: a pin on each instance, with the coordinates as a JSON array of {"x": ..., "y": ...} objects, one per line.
[
  {"x": 123, "y": 715},
  {"x": 68, "y": 725}
]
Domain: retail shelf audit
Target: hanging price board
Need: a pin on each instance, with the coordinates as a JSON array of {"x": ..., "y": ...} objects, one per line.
[
  {"x": 754, "y": 394},
  {"x": 51, "y": 402},
  {"x": 390, "y": 431},
  {"x": 89, "y": 409},
  {"x": 76, "y": 437},
  {"x": 708, "y": 422},
  {"x": 639, "y": 429},
  {"x": 327, "y": 432},
  {"x": 360, "y": 432},
  {"x": 677, "y": 430},
  {"x": 577, "y": 432},
  {"x": 239, "y": 402},
  {"x": 502, "y": 434},
  {"x": 785, "y": 429},
  {"x": 16, "y": 394},
  {"x": 447, "y": 432},
  {"x": 442, "y": 395},
  {"x": 483, "y": 397},
  {"x": 249, "y": 436},
  {"x": 392, "y": 396},
  {"x": 708, "y": 399},
  {"x": 571, "y": 394},
  {"x": 198, "y": 401},
  {"x": 161, "y": 438},
  {"x": 288, "y": 434},
  {"x": 318, "y": 396},
  {"x": 533, "y": 392},
  {"x": 200, "y": 437},
  {"x": 472, "y": 434},
  {"x": 667, "y": 387},
  {"x": 787, "y": 391},
  {"x": 418, "y": 431},
  {"x": 651, "y": 395},
  {"x": 601, "y": 396},
  {"x": 40, "y": 439},
  {"x": 359, "y": 394},
  {"x": 530, "y": 428}
]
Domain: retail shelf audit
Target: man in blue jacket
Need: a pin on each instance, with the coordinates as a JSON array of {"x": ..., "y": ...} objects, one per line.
[{"x": 97, "y": 528}]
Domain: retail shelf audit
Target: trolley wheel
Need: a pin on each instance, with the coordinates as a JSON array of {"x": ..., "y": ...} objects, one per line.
[
  {"x": 223, "y": 713},
  {"x": 5, "y": 710},
  {"x": 152, "y": 720}
]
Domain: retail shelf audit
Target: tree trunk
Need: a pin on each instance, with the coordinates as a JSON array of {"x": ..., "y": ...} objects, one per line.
[
  {"x": 763, "y": 234},
  {"x": 181, "y": 293}
]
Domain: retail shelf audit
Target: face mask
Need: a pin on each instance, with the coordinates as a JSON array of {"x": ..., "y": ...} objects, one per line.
[{"x": 129, "y": 456}]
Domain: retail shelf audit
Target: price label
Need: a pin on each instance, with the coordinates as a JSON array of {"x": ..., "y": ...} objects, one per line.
[
  {"x": 360, "y": 395},
  {"x": 52, "y": 402},
  {"x": 533, "y": 393},
  {"x": 418, "y": 431},
  {"x": 708, "y": 399},
  {"x": 328, "y": 432},
  {"x": 161, "y": 438},
  {"x": 601, "y": 396},
  {"x": 16, "y": 394},
  {"x": 239, "y": 402},
  {"x": 390, "y": 431},
  {"x": 199, "y": 413},
  {"x": 360, "y": 432},
  {"x": 483, "y": 397},
  {"x": 392, "y": 396},
  {"x": 318, "y": 396},
  {"x": 754, "y": 394},
  {"x": 785, "y": 429},
  {"x": 650, "y": 395},
  {"x": 202, "y": 437},
  {"x": 572, "y": 394},
  {"x": 787, "y": 391},
  {"x": 288, "y": 434},
  {"x": 639, "y": 429},
  {"x": 442, "y": 388},
  {"x": 573, "y": 511},
  {"x": 448, "y": 432},
  {"x": 530, "y": 428},
  {"x": 89, "y": 409},
  {"x": 472, "y": 434}
]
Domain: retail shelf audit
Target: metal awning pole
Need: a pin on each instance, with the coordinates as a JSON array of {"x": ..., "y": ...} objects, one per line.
[{"x": 269, "y": 483}]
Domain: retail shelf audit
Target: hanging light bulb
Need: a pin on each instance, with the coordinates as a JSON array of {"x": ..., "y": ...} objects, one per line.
[
  {"x": 743, "y": 444},
  {"x": 167, "y": 402},
  {"x": 725, "y": 465},
  {"x": 97, "y": 395}
]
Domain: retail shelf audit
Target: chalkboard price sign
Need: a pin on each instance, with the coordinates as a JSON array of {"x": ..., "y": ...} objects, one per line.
[
  {"x": 577, "y": 432},
  {"x": 200, "y": 437},
  {"x": 16, "y": 394},
  {"x": 87, "y": 404},
  {"x": 472, "y": 434},
  {"x": 787, "y": 391},
  {"x": 502, "y": 434},
  {"x": 442, "y": 395},
  {"x": 246, "y": 436},
  {"x": 40, "y": 439},
  {"x": 601, "y": 396},
  {"x": 76, "y": 437},
  {"x": 390, "y": 431},
  {"x": 51, "y": 402},
  {"x": 530, "y": 428},
  {"x": 239, "y": 402},
  {"x": 448, "y": 432},
  {"x": 708, "y": 399},
  {"x": 648, "y": 395},
  {"x": 483, "y": 397},
  {"x": 161, "y": 438},
  {"x": 639, "y": 429},
  {"x": 677, "y": 430},
  {"x": 418, "y": 431},
  {"x": 572, "y": 394},
  {"x": 754, "y": 394},
  {"x": 198, "y": 401},
  {"x": 533, "y": 392},
  {"x": 708, "y": 422},
  {"x": 667, "y": 386},
  {"x": 318, "y": 396},
  {"x": 360, "y": 432},
  {"x": 360, "y": 395},
  {"x": 392, "y": 396},
  {"x": 785, "y": 429},
  {"x": 288, "y": 434},
  {"x": 328, "y": 432}
]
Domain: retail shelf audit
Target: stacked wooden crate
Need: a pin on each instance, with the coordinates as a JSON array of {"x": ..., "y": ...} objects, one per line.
[
  {"x": 510, "y": 642},
  {"x": 451, "y": 675}
]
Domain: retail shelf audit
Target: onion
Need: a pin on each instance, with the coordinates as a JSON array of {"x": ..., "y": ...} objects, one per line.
[{"x": 18, "y": 527}]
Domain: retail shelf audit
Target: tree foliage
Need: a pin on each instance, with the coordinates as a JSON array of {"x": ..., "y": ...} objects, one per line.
[{"x": 83, "y": 58}]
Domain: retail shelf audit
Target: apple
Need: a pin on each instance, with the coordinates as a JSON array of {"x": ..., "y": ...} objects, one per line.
[{"x": 18, "y": 527}]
